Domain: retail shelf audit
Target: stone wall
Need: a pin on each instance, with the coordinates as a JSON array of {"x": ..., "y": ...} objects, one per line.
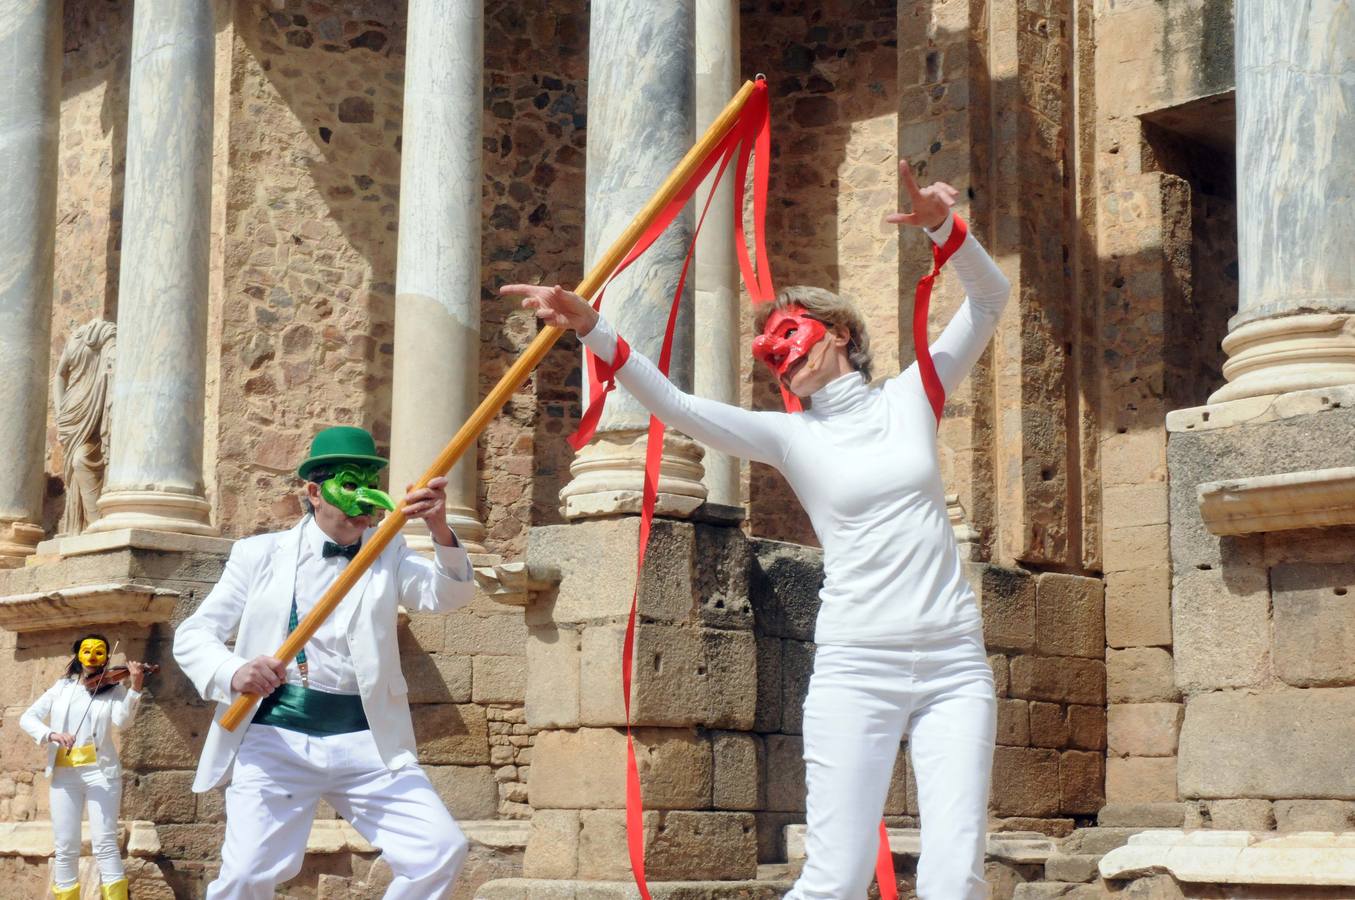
[{"x": 1262, "y": 626}]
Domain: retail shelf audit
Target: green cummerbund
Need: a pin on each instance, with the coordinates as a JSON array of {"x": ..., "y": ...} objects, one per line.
[{"x": 312, "y": 712}]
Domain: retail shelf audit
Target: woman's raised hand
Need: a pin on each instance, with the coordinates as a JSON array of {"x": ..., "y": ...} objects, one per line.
[
  {"x": 555, "y": 306},
  {"x": 930, "y": 205}
]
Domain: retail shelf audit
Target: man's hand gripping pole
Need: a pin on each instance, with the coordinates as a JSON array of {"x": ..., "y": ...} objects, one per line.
[{"x": 494, "y": 401}]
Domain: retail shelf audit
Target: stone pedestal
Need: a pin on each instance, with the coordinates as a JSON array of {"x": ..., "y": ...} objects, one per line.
[
  {"x": 641, "y": 121},
  {"x": 694, "y": 695},
  {"x": 30, "y": 45},
  {"x": 437, "y": 286},
  {"x": 1295, "y": 325},
  {"x": 717, "y": 269},
  {"x": 155, "y": 470}
]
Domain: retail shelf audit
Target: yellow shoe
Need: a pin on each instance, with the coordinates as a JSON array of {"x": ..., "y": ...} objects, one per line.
[
  {"x": 68, "y": 893},
  {"x": 116, "y": 891}
]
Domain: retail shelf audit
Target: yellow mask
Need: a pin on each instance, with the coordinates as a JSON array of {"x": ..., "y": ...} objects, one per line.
[{"x": 93, "y": 653}]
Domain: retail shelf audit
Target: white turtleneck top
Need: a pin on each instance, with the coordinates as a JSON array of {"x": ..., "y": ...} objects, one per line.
[{"x": 862, "y": 460}]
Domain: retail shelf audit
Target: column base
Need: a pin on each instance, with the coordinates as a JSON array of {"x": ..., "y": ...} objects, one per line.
[
  {"x": 1290, "y": 353},
  {"x": 154, "y": 511},
  {"x": 470, "y": 531},
  {"x": 18, "y": 541},
  {"x": 609, "y": 477}
]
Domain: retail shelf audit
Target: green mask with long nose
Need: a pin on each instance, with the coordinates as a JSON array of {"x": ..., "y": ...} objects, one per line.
[{"x": 353, "y": 490}]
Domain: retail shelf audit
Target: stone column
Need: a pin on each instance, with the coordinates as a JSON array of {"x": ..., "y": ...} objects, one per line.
[
  {"x": 641, "y": 115},
  {"x": 155, "y": 466},
  {"x": 717, "y": 271},
  {"x": 30, "y": 110},
  {"x": 437, "y": 287},
  {"x": 1295, "y": 325}
]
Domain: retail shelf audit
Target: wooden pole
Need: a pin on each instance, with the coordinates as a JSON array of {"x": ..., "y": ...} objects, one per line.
[{"x": 494, "y": 401}]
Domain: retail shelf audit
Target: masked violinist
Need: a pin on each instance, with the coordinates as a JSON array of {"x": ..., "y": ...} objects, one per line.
[{"x": 76, "y": 724}]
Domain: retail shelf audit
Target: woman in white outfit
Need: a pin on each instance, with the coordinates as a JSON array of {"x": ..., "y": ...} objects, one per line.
[
  {"x": 899, "y": 636},
  {"x": 76, "y": 725}
]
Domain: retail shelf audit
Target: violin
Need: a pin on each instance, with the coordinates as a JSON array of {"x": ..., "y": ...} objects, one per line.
[{"x": 111, "y": 675}]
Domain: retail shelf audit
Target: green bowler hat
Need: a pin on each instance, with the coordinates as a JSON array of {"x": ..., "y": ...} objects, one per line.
[{"x": 342, "y": 443}]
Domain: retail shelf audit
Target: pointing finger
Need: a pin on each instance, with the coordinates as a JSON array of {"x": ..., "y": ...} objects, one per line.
[{"x": 909, "y": 180}]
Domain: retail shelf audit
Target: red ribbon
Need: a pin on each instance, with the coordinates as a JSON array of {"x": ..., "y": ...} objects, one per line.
[{"x": 922, "y": 298}]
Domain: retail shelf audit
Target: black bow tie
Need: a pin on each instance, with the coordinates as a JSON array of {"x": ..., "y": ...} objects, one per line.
[{"x": 332, "y": 549}]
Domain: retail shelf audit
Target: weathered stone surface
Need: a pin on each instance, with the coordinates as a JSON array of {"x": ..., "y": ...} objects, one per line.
[
  {"x": 437, "y": 677},
  {"x": 784, "y": 589},
  {"x": 1125, "y": 549},
  {"x": 1075, "y": 869},
  {"x": 1087, "y": 727},
  {"x": 1140, "y": 675},
  {"x": 553, "y": 848},
  {"x": 1059, "y": 679},
  {"x": 1241, "y": 815},
  {"x": 450, "y": 734},
  {"x": 163, "y": 739},
  {"x": 1138, "y": 608},
  {"x": 585, "y": 769},
  {"x": 1141, "y": 780},
  {"x": 1144, "y": 729},
  {"x": 1314, "y": 616},
  {"x": 1312, "y": 815},
  {"x": 469, "y": 633},
  {"x": 1070, "y": 616},
  {"x": 1007, "y": 599},
  {"x": 767, "y": 717},
  {"x": 162, "y": 797},
  {"x": 1048, "y": 725},
  {"x": 683, "y": 676},
  {"x": 500, "y": 679},
  {"x": 553, "y": 661},
  {"x": 1082, "y": 779},
  {"x": 797, "y": 665},
  {"x": 1014, "y": 723},
  {"x": 1287, "y": 744},
  {"x": 1220, "y": 628},
  {"x": 1143, "y": 815},
  {"x": 785, "y": 773},
  {"x": 738, "y": 782},
  {"x": 1025, "y": 782},
  {"x": 469, "y": 791},
  {"x": 678, "y": 845}
]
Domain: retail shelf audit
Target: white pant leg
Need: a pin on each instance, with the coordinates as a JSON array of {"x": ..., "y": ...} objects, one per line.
[
  {"x": 103, "y": 798},
  {"x": 400, "y": 814},
  {"x": 855, "y": 712},
  {"x": 66, "y": 799},
  {"x": 952, "y": 733},
  {"x": 270, "y": 805}
]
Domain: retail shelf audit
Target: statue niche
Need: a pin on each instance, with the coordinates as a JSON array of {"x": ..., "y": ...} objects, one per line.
[{"x": 81, "y": 394}]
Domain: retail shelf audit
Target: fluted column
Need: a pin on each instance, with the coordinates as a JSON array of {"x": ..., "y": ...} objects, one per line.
[
  {"x": 30, "y": 110},
  {"x": 437, "y": 287},
  {"x": 155, "y": 467},
  {"x": 717, "y": 271},
  {"x": 1295, "y": 325},
  {"x": 641, "y": 114}
]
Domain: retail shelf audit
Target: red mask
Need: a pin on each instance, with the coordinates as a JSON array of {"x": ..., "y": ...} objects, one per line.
[{"x": 787, "y": 338}]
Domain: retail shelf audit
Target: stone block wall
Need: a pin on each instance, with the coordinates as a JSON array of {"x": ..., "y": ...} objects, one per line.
[{"x": 1263, "y": 625}]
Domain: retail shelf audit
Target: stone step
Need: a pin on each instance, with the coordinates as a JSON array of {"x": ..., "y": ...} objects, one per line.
[
  {"x": 1096, "y": 841},
  {"x": 541, "y": 889},
  {"x": 1018, "y": 847},
  {"x": 1078, "y": 868},
  {"x": 1048, "y": 890}
]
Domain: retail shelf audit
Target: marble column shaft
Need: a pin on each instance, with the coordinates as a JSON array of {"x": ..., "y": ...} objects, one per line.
[
  {"x": 1294, "y": 327},
  {"x": 30, "y": 112},
  {"x": 155, "y": 469},
  {"x": 641, "y": 121},
  {"x": 437, "y": 289},
  {"x": 717, "y": 272}
]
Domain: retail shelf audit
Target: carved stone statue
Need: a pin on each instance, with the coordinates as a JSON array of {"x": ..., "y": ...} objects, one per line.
[{"x": 81, "y": 391}]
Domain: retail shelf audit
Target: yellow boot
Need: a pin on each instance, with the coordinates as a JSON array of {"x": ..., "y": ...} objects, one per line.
[
  {"x": 69, "y": 893},
  {"x": 116, "y": 891}
]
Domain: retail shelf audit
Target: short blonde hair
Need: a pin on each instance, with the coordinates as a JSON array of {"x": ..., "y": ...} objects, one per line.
[{"x": 831, "y": 310}]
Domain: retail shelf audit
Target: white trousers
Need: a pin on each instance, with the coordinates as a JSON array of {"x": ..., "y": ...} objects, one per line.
[
  {"x": 280, "y": 776},
  {"x": 862, "y": 701},
  {"x": 75, "y": 789}
]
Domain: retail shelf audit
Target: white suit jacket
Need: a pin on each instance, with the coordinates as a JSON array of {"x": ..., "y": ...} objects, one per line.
[
  {"x": 63, "y": 705},
  {"x": 252, "y": 603}
]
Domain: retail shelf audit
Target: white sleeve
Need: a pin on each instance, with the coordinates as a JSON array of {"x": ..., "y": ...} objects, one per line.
[
  {"x": 971, "y": 328},
  {"x": 761, "y": 436},
  {"x": 200, "y": 641},
  {"x": 125, "y": 707},
  {"x": 442, "y": 584},
  {"x": 34, "y": 719}
]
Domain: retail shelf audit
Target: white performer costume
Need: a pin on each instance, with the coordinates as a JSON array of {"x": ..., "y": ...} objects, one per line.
[
  {"x": 899, "y": 635},
  {"x": 277, "y": 775},
  {"x": 66, "y": 707}
]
